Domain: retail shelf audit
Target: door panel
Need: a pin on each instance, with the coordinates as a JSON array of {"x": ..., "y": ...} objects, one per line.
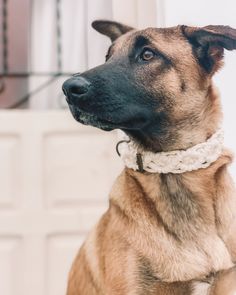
[{"x": 55, "y": 177}]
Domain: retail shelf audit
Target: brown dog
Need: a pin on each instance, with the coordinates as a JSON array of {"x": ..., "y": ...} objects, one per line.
[{"x": 163, "y": 234}]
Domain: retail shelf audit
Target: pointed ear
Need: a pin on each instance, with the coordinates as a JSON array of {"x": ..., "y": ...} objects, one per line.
[
  {"x": 209, "y": 44},
  {"x": 111, "y": 29}
]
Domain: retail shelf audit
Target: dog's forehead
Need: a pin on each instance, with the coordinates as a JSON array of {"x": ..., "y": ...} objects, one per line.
[{"x": 170, "y": 40}]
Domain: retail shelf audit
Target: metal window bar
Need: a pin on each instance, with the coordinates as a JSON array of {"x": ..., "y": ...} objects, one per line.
[{"x": 53, "y": 75}]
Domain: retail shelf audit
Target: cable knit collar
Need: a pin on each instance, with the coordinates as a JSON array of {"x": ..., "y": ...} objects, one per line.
[{"x": 199, "y": 156}]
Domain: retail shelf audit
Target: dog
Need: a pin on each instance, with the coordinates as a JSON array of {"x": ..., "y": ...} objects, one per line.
[{"x": 164, "y": 233}]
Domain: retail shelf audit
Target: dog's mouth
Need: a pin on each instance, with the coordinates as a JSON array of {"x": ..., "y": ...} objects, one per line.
[
  {"x": 106, "y": 123},
  {"x": 86, "y": 118}
]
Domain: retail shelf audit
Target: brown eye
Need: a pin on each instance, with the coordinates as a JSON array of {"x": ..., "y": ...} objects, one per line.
[{"x": 147, "y": 55}]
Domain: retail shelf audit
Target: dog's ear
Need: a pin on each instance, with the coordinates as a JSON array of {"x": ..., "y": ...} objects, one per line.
[
  {"x": 110, "y": 28},
  {"x": 209, "y": 43}
]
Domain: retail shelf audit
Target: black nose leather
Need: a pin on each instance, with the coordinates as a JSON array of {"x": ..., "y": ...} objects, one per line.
[{"x": 77, "y": 86}]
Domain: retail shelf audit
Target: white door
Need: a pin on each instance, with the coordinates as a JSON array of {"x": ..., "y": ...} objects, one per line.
[{"x": 55, "y": 176}]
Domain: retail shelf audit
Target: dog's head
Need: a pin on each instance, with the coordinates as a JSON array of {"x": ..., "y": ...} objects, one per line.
[{"x": 155, "y": 84}]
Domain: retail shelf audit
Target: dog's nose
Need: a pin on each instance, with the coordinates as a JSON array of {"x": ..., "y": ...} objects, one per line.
[{"x": 75, "y": 87}]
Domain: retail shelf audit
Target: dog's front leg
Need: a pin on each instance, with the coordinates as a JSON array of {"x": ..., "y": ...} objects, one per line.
[{"x": 225, "y": 283}]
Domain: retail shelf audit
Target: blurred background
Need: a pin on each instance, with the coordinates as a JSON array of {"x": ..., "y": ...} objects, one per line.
[{"x": 55, "y": 175}]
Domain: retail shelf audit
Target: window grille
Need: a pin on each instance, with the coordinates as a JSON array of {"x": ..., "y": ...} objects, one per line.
[{"x": 7, "y": 73}]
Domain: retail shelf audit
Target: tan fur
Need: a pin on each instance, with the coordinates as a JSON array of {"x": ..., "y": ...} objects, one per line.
[
  {"x": 167, "y": 234},
  {"x": 137, "y": 226},
  {"x": 225, "y": 283}
]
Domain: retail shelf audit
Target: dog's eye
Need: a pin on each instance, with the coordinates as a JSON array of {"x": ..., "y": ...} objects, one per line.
[{"x": 147, "y": 55}]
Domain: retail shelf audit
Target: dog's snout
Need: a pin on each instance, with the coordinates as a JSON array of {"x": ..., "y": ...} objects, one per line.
[{"x": 76, "y": 87}]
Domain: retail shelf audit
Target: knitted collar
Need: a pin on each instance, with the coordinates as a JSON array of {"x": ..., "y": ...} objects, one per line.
[{"x": 199, "y": 156}]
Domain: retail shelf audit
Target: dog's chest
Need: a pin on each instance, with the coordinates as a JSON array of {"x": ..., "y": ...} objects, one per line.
[
  {"x": 174, "y": 228},
  {"x": 193, "y": 259},
  {"x": 193, "y": 254}
]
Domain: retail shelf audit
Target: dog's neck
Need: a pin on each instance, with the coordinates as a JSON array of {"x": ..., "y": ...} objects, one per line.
[{"x": 196, "y": 157}]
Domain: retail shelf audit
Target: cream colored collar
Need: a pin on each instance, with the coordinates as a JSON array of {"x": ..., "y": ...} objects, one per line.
[{"x": 179, "y": 161}]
